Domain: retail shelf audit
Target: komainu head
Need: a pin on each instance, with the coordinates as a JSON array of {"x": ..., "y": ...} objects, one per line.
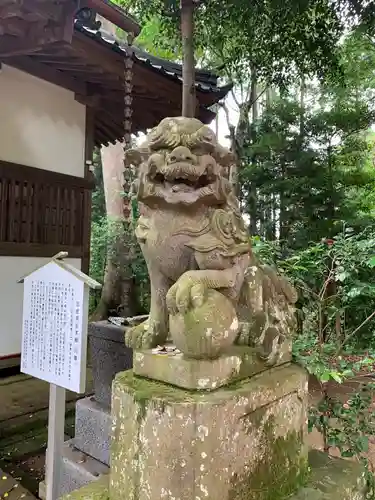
[{"x": 182, "y": 163}]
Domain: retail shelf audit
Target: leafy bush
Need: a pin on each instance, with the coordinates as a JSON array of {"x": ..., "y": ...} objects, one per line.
[
  {"x": 336, "y": 284},
  {"x": 106, "y": 237}
]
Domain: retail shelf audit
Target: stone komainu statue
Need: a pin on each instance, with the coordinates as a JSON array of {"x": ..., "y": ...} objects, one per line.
[{"x": 194, "y": 241}]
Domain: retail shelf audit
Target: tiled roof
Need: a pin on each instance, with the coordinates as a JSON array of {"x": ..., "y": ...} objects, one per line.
[{"x": 205, "y": 81}]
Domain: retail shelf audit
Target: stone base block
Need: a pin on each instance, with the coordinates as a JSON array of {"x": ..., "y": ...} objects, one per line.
[
  {"x": 330, "y": 479},
  {"x": 237, "y": 364},
  {"x": 92, "y": 429},
  {"x": 42, "y": 490},
  {"x": 333, "y": 479},
  {"x": 108, "y": 356},
  {"x": 78, "y": 469},
  {"x": 98, "y": 490},
  {"x": 245, "y": 441}
]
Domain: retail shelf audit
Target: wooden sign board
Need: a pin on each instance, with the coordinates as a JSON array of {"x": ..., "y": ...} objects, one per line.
[
  {"x": 54, "y": 333},
  {"x": 54, "y": 345}
]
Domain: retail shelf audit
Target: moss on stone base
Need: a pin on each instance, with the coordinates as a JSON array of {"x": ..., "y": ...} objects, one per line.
[
  {"x": 279, "y": 473},
  {"x": 242, "y": 442},
  {"x": 98, "y": 490}
]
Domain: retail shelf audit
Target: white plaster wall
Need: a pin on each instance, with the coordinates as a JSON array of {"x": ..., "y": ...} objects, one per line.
[
  {"x": 11, "y": 293},
  {"x": 41, "y": 125}
]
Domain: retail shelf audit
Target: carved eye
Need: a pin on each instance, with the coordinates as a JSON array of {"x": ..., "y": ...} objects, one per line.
[
  {"x": 154, "y": 162},
  {"x": 207, "y": 135}
]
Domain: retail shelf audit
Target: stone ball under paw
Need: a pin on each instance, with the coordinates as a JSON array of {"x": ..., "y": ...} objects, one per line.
[{"x": 205, "y": 332}]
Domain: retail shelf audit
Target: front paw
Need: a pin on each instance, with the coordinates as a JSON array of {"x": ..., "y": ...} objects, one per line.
[
  {"x": 147, "y": 335},
  {"x": 184, "y": 294},
  {"x": 269, "y": 349}
]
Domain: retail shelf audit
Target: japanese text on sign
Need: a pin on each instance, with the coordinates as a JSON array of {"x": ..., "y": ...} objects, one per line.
[{"x": 52, "y": 327}]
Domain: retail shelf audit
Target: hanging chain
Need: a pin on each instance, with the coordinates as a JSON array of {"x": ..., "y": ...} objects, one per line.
[{"x": 128, "y": 175}]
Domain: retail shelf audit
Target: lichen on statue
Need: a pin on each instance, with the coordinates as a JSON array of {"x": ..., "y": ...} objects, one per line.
[{"x": 198, "y": 252}]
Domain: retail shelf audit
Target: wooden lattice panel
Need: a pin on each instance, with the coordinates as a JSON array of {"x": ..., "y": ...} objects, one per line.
[{"x": 42, "y": 211}]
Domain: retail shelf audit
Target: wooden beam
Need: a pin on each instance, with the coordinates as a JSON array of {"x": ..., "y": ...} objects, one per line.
[
  {"x": 113, "y": 62},
  {"x": 55, "y": 50},
  {"x": 31, "y": 10},
  {"x": 56, "y": 58},
  {"x": 56, "y": 25},
  {"x": 13, "y": 26},
  {"x": 87, "y": 201},
  {"x": 89, "y": 136},
  {"x": 11, "y": 46},
  {"x": 29, "y": 65},
  {"x": 38, "y": 250},
  {"x": 91, "y": 101},
  {"x": 82, "y": 68},
  {"x": 111, "y": 127},
  {"x": 17, "y": 172},
  {"x": 100, "y": 137},
  {"x": 110, "y": 95},
  {"x": 14, "y": 46}
]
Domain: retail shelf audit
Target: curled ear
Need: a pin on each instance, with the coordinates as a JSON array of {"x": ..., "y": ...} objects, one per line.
[
  {"x": 136, "y": 156},
  {"x": 224, "y": 157}
]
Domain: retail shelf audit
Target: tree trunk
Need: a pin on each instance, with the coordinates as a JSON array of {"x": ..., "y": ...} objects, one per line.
[
  {"x": 254, "y": 95},
  {"x": 188, "y": 68},
  {"x": 283, "y": 205},
  {"x": 117, "y": 293},
  {"x": 269, "y": 98},
  {"x": 302, "y": 110},
  {"x": 255, "y": 115},
  {"x": 270, "y": 201}
]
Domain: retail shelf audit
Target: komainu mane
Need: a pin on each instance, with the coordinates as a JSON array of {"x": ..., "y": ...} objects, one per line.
[{"x": 194, "y": 240}]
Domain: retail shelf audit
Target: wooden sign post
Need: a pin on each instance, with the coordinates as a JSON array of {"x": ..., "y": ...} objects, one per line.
[{"x": 54, "y": 345}]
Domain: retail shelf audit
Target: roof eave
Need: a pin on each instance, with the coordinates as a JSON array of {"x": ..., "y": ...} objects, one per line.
[{"x": 115, "y": 15}]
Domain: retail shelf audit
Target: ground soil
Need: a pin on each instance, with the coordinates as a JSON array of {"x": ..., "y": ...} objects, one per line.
[{"x": 23, "y": 426}]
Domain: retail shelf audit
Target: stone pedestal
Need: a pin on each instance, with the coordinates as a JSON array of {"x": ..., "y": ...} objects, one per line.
[
  {"x": 93, "y": 429},
  {"x": 238, "y": 363},
  {"x": 239, "y": 442},
  {"x": 108, "y": 356},
  {"x": 240, "y": 436},
  {"x": 329, "y": 479}
]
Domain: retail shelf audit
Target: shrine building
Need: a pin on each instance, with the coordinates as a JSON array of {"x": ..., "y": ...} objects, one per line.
[{"x": 62, "y": 87}]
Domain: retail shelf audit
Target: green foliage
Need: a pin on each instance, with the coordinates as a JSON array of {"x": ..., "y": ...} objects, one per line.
[
  {"x": 98, "y": 256},
  {"x": 278, "y": 38},
  {"x": 308, "y": 185},
  {"x": 332, "y": 354},
  {"x": 275, "y": 36},
  {"x": 153, "y": 39},
  {"x": 98, "y": 210},
  {"x": 336, "y": 285},
  {"x": 115, "y": 238},
  {"x": 98, "y": 244},
  {"x": 347, "y": 425}
]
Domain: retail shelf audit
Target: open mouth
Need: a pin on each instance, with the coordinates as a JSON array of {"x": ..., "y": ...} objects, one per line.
[{"x": 182, "y": 183}]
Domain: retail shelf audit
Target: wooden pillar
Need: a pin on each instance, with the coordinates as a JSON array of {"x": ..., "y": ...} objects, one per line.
[{"x": 89, "y": 151}]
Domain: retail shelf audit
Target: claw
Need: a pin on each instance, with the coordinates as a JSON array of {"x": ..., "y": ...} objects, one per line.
[
  {"x": 171, "y": 301},
  {"x": 184, "y": 294},
  {"x": 197, "y": 295},
  {"x": 147, "y": 335},
  {"x": 183, "y": 298}
]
